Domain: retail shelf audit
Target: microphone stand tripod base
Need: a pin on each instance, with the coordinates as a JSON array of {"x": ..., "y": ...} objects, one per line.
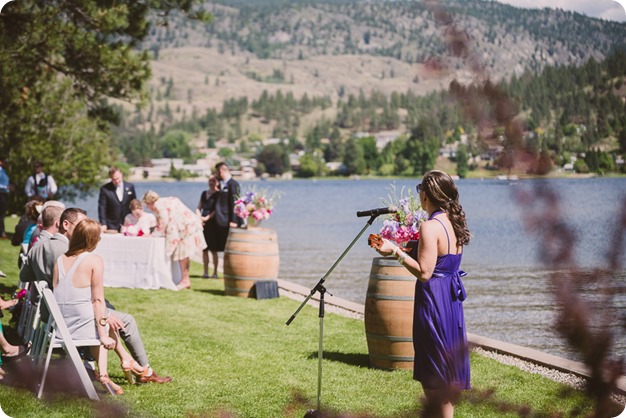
[{"x": 315, "y": 413}]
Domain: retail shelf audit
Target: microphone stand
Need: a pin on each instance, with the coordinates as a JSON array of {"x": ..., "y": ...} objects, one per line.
[{"x": 319, "y": 287}]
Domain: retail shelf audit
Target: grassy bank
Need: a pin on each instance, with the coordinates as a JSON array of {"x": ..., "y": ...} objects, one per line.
[{"x": 237, "y": 355}]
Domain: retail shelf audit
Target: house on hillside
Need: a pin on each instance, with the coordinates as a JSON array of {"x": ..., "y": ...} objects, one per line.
[{"x": 160, "y": 168}]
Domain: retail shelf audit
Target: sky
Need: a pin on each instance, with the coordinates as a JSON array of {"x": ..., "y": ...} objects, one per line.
[{"x": 602, "y": 9}]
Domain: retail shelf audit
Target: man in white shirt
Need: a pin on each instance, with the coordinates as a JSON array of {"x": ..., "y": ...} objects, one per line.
[
  {"x": 114, "y": 200},
  {"x": 40, "y": 183}
]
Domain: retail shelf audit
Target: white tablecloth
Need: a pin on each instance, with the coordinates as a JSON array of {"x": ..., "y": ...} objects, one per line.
[{"x": 137, "y": 262}]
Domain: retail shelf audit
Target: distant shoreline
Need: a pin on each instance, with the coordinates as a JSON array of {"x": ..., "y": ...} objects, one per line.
[{"x": 471, "y": 176}]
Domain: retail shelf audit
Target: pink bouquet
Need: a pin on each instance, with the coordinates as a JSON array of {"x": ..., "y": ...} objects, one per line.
[
  {"x": 403, "y": 226},
  {"x": 255, "y": 206}
]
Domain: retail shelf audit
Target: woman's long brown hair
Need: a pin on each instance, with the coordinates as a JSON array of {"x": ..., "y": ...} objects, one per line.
[
  {"x": 86, "y": 237},
  {"x": 441, "y": 190}
]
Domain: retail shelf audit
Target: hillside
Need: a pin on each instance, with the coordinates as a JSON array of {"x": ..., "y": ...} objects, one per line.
[{"x": 333, "y": 48}]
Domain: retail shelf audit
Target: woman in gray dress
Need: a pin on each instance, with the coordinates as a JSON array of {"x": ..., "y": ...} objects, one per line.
[{"x": 79, "y": 292}]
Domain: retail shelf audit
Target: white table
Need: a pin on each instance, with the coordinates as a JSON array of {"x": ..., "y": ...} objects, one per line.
[{"x": 137, "y": 262}]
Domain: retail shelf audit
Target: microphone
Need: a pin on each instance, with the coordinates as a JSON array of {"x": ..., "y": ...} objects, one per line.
[{"x": 377, "y": 211}]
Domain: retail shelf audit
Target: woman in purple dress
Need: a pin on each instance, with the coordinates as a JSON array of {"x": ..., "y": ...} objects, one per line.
[{"x": 439, "y": 337}]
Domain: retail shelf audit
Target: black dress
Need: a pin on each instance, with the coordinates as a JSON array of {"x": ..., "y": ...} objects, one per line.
[{"x": 214, "y": 235}]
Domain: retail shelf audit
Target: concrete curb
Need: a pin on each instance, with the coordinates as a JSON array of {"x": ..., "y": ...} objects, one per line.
[{"x": 355, "y": 310}]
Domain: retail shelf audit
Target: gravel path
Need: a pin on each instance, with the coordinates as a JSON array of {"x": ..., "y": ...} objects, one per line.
[{"x": 569, "y": 379}]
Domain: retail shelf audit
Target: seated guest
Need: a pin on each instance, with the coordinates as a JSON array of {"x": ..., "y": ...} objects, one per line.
[
  {"x": 182, "y": 230},
  {"x": 9, "y": 352},
  {"x": 25, "y": 221},
  {"x": 58, "y": 230},
  {"x": 79, "y": 292},
  {"x": 35, "y": 234},
  {"x": 32, "y": 210},
  {"x": 143, "y": 223},
  {"x": 25, "y": 228}
]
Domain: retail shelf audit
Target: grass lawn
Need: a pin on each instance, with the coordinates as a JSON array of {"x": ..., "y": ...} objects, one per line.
[{"x": 236, "y": 357}]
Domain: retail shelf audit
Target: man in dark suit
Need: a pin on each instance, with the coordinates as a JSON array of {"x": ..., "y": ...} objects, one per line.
[
  {"x": 113, "y": 201},
  {"x": 225, "y": 204}
]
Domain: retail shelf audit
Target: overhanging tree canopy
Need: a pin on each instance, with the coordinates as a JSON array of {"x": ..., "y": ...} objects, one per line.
[{"x": 59, "y": 61}]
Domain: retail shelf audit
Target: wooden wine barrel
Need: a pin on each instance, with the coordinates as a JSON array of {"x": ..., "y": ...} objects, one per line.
[
  {"x": 389, "y": 315},
  {"x": 250, "y": 254}
]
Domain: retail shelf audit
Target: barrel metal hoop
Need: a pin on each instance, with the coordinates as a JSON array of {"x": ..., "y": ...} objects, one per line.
[
  {"x": 251, "y": 231},
  {"x": 391, "y": 338},
  {"x": 250, "y": 253},
  {"x": 386, "y": 262},
  {"x": 389, "y": 297},
  {"x": 255, "y": 279},
  {"x": 250, "y": 241},
  {"x": 392, "y": 358}
]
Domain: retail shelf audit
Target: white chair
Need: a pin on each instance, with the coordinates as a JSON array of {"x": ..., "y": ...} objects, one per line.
[
  {"x": 53, "y": 333},
  {"x": 29, "y": 317}
]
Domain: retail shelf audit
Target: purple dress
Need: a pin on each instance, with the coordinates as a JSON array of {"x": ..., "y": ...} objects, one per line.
[{"x": 439, "y": 337}]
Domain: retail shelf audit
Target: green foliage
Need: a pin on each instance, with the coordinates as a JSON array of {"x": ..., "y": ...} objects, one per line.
[
  {"x": 580, "y": 166},
  {"x": 175, "y": 144},
  {"x": 225, "y": 152},
  {"x": 274, "y": 159},
  {"x": 599, "y": 161},
  {"x": 422, "y": 148},
  {"x": 461, "y": 161},
  {"x": 311, "y": 165},
  {"x": 71, "y": 145},
  {"x": 180, "y": 173},
  {"x": 58, "y": 60},
  {"x": 354, "y": 158},
  {"x": 370, "y": 153}
]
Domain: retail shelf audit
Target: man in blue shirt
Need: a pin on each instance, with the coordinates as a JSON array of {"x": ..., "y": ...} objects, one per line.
[{"x": 4, "y": 196}]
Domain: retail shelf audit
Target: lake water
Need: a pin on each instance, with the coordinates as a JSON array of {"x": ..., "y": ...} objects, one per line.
[{"x": 508, "y": 291}]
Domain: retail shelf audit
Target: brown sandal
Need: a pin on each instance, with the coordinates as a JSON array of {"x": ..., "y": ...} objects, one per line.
[{"x": 111, "y": 387}]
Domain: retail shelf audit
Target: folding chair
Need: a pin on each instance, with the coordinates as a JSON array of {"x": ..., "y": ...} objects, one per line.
[
  {"x": 30, "y": 315},
  {"x": 53, "y": 333}
]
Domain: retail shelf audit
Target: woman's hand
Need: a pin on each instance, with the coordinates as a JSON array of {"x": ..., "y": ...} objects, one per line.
[
  {"x": 387, "y": 248},
  {"x": 382, "y": 245},
  {"x": 107, "y": 342},
  {"x": 6, "y": 304}
]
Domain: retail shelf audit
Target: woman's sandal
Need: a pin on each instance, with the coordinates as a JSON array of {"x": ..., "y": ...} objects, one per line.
[
  {"x": 130, "y": 370},
  {"x": 22, "y": 351},
  {"x": 111, "y": 387}
]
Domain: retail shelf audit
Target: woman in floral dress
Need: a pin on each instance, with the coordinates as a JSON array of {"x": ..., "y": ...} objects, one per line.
[{"x": 182, "y": 230}]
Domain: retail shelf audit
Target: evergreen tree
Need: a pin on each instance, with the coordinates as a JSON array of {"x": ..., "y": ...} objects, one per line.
[
  {"x": 461, "y": 161},
  {"x": 274, "y": 158},
  {"x": 354, "y": 158},
  {"x": 422, "y": 148}
]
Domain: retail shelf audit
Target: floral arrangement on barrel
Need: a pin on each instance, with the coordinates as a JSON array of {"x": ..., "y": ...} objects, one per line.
[
  {"x": 403, "y": 226},
  {"x": 255, "y": 205}
]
